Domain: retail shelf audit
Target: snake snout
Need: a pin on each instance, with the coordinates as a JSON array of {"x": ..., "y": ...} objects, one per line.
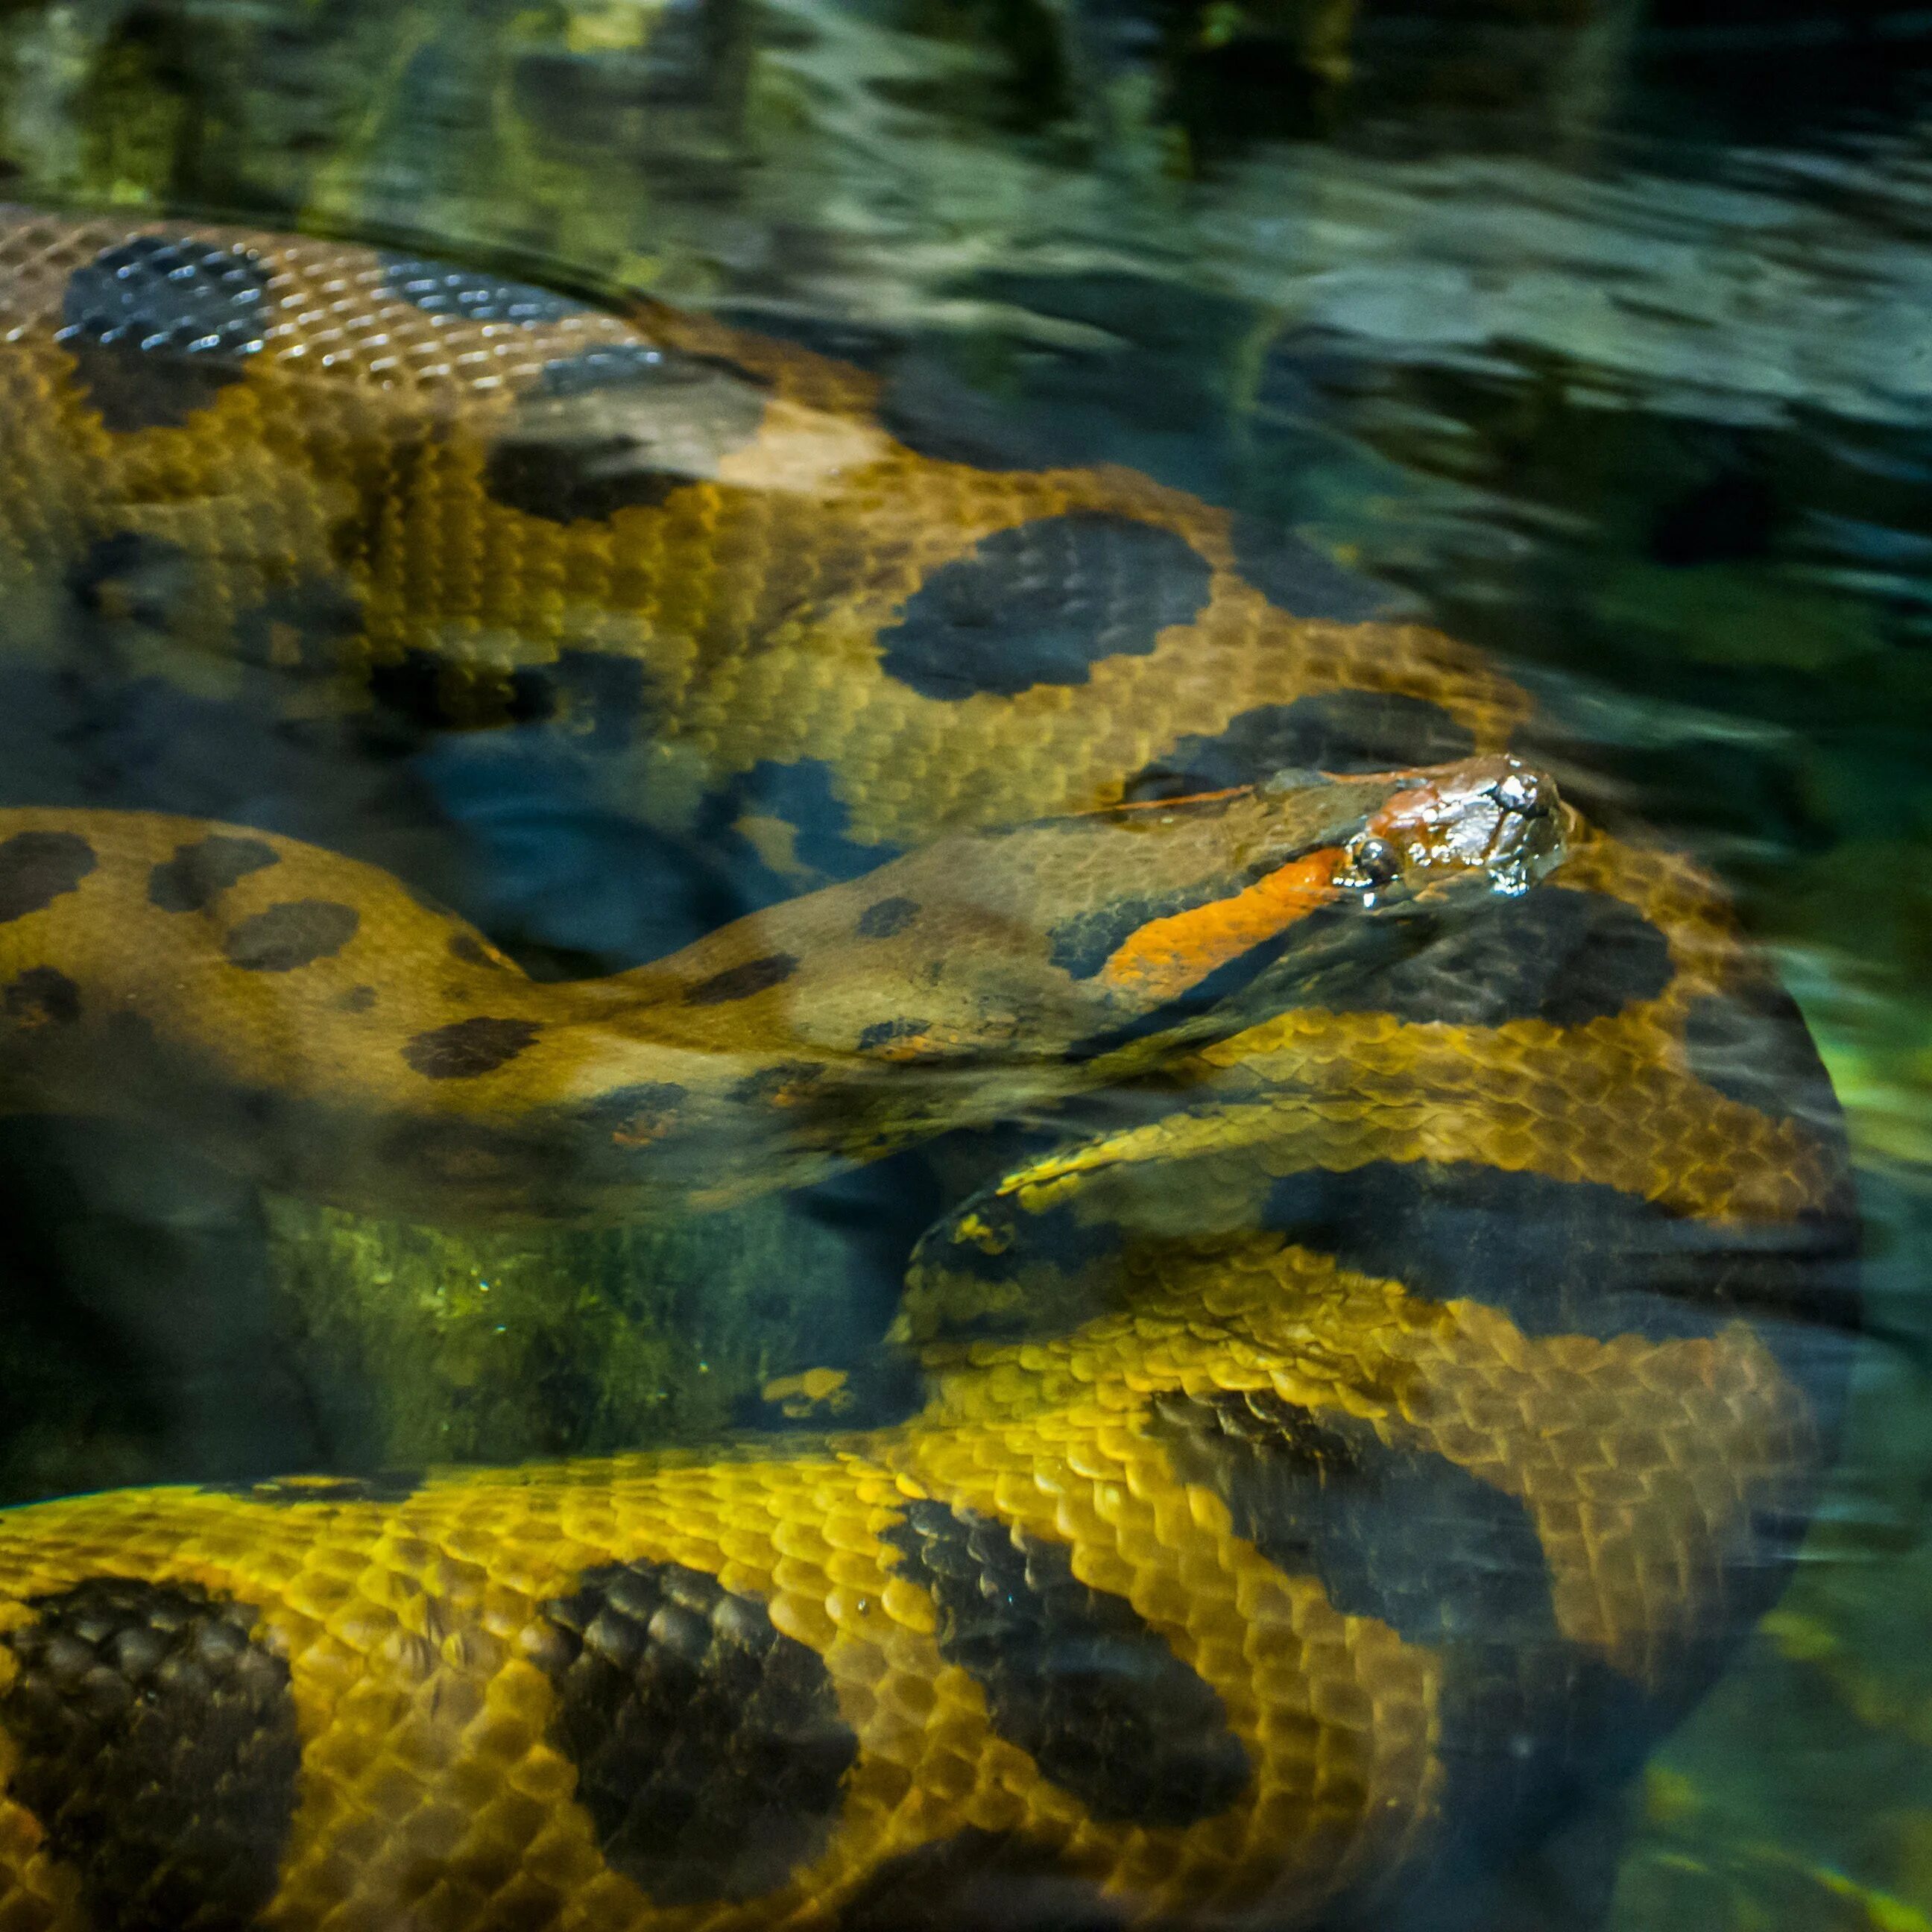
[{"x": 1492, "y": 816}]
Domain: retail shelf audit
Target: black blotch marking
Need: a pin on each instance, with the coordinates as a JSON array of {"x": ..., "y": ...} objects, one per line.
[
  {"x": 1297, "y": 577},
  {"x": 1398, "y": 1534},
  {"x": 158, "y": 327},
  {"x": 383, "y": 1486},
  {"x": 202, "y": 869},
  {"x": 357, "y": 1000},
  {"x": 884, "y": 918},
  {"x": 1578, "y": 1258},
  {"x": 1066, "y": 1267},
  {"x": 42, "y": 996},
  {"x": 158, "y": 1749},
  {"x": 884, "y": 1032},
  {"x": 634, "y": 1115},
  {"x": 1043, "y": 603},
  {"x": 1082, "y": 945},
  {"x": 979, "y": 1881},
  {"x": 37, "y": 868},
  {"x": 1071, "y": 1675},
  {"x": 1553, "y": 954},
  {"x": 1288, "y": 967},
  {"x": 792, "y": 1079},
  {"x": 472, "y": 951},
  {"x": 801, "y": 795},
  {"x": 709, "y": 1750},
  {"x": 1346, "y": 730},
  {"x": 1752, "y": 1045},
  {"x": 598, "y": 700},
  {"x": 133, "y": 576},
  {"x": 408, "y": 695},
  {"x": 740, "y": 983},
  {"x": 619, "y": 428},
  {"x": 586, "y": 701},
  {"x": 465, "y": 1049},
  {"x": 296, "y": 933},
  {"x": 474, "y": 295},
  {"x": 302, "y": 627}
]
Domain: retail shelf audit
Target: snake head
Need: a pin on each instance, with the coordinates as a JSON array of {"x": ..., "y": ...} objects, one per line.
[
  {"x": 1311, "y": 848},
  {"x": 1491, "y": 822},
  {"x": 991, "y": 973}
]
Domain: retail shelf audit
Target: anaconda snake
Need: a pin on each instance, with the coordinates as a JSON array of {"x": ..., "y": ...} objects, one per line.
[{"x": 1317, "y": 1476}]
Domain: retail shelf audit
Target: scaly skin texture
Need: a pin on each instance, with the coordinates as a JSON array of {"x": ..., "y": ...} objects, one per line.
[{"x": 1316, "y": 1480}]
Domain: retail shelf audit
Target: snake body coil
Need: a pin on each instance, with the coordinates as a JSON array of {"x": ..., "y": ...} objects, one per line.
[{"x": 1322, "y": 1472}]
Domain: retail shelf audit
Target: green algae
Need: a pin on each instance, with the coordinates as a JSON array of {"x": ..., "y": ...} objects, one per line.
[
  {"x": 429, "y": 1345},
  {"x": 880, "y": 163}
]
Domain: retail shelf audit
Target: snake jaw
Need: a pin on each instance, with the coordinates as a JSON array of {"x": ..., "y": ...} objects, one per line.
[{"x": 1495, "y": 816}]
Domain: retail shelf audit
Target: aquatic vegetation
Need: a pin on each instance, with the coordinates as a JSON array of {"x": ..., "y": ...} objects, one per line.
[{"x": 1644, "y": 414}]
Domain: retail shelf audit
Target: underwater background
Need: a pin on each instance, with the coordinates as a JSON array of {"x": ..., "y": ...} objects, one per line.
[{"x": 1602, "y": 329}]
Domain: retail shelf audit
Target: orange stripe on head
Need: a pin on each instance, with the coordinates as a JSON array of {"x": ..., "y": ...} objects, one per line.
[{"x": 1161, "y": 959}]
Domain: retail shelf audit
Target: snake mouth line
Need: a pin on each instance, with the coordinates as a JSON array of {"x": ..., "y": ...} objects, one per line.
[{"x": 1492, "y": 824}]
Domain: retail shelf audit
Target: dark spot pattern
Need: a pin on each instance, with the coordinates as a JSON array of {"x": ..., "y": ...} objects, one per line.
[
  {"x": 636, "y": 1114},
  {"x": 293, "y": 934},
  {"x": 1287, "y": 966},
  {"x": 740, "y": 983},
  {"x": 37, "y": 868},
  {"x": 802, "y": 795},
  {"x": 158, "y": 1749},
  {"x": 472, "y": 951},
  {"x": 1578, "y": 1258},
  {"x": 1528, "y": 1720},
  {"x": 132, "y": 577},
  {"x": 1298, "y": 578},
  {"x": 1071, "y": 1675},
  {"x": 1552, "y": 954},
  {"x": 202, "y": 869},
  {"x": 42, "y": 996},
  {"x": 979, "y": 1881},
  {"x": 472, "y": 294},
  {"x": 709, "y": 1750},
  {"x": 883, "y": 1033},
  {"x": 1065, "y": 1268},
  {"x": 1397, "y": 1534},
  {"x": 1043, "y": 603},
  {"x": 158, "y": 327},
  {"x": 1082, "y": 945},
  {"x": 383, "y": 1486},
  {"x": 1346, "y": 730},
  {"x": 412, "y": 695},
  {"x": 357, "y": 1000},
  {"x": 596, "y": 701},
  {"x": 786, "y": 1082},
  {"x": 466, "y": 1049},
  {"x": 619, "y": 427},
  {"x": 302, "y": 627},
  {"x": 1752, "y": 1045},
  {"x": 884, "y": 919}
]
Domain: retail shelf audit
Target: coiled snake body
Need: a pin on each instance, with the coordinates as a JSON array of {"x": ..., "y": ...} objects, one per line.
[{"x": 1321, "y": 1471}]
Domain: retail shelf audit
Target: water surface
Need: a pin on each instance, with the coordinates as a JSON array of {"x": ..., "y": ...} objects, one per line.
[{"x": 1601, "y": 332}]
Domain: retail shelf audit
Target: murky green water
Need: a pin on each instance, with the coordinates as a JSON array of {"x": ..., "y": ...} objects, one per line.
[{"x": 1603, "y": 333}]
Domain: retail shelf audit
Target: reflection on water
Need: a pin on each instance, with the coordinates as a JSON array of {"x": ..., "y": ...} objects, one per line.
[{"x": 1599, "y": 333}]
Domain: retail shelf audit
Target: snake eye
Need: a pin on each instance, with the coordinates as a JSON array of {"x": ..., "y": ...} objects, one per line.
[{"x": 1374, "y": 862}]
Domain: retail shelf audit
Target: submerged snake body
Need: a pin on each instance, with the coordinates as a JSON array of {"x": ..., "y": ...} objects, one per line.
[{"x": 1321, "y": 1474}]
